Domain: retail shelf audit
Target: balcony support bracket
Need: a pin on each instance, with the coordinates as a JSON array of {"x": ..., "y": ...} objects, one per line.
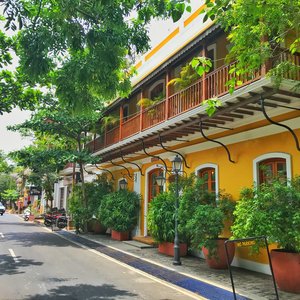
[
  {"x": 128, "y": 172},
  {"x": 154, "y": 156},
  {"x": 105, "y": 170},
  {"x": 217, "y": 142},
  {"x": 172, "y": 151},
  {"x": 262, "y": 103},
  {"x": 132, "y": 163}
]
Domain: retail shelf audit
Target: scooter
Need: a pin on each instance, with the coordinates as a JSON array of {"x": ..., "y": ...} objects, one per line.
[
  {"x": 56, "y": 218},
  {"x": 26, "y": 214}
]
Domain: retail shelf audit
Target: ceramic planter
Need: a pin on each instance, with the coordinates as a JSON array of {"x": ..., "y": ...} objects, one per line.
[
  {"x": 120, "y": 236},
  {"x": 168, "y": 248},
  {"x": 31, "y": 218},
  {"x": 286, "y": 267},
  {"x": 219, "y": 261}
]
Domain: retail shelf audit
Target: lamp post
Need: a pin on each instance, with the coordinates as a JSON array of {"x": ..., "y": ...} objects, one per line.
[
  {"x": 176, "y": 168},
  {"x": 123, "y": 184},
  {"x": 160, "y": 180}
]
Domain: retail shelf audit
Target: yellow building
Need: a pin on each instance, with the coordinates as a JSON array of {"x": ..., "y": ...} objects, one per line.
[{"x": 257, "y": 125}]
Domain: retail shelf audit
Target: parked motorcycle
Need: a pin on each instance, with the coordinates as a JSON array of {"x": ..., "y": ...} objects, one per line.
[{"x": 56, "y": 218}]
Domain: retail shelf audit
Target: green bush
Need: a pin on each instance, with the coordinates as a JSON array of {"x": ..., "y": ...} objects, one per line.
[
  {"x": 272, "y": 210},
  {"x": 119, "y": 210},
  {"x": 161, "y": 217}
]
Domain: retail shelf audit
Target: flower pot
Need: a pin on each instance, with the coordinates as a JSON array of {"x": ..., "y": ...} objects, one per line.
[
  {"x": 120, "y": 236},
  {"x": 219, "y": 261},
  {"x": 286, "y": 267},
  {"x": 168, "y": 248},
  {"x": 98, "y": 227}
]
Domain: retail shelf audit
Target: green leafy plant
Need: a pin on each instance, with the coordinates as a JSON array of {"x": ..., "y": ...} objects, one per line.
[
  {"x": 119, "y": 210},
  {"x": 203, "y": 216},
  {"x": 273, "y": 210},
  {"x": 161, "y": 217}
]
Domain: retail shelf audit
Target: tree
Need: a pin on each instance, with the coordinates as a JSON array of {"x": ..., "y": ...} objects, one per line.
[
  {"x": 83, "y": 48},
  {"x": 65, "y": 136},
  {"x": 257, "y": 30}
]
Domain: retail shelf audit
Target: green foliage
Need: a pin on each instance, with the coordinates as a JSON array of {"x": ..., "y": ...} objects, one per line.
[
  {"x": 77, "y": 208},
  {"x": 202, "y": 216},
  {"x": 95, "y": 191},
  {"x": 161, "y": 217},
  {"x": 272, "y": 210},
  {"x": 10, "y": 195},
  {"x": 211, "y": 105},
  {"x": 6, "y": 183},
  {"x": 119, "y": 210},
  {"x": 188, "y": 75},
  {"x": 254, "y": 35}
]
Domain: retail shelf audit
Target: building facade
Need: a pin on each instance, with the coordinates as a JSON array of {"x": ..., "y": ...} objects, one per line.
[{"x": 257, "y": 125}]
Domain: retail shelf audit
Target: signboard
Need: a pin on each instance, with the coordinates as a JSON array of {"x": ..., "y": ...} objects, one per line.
[{"x": 34, "y": 191}]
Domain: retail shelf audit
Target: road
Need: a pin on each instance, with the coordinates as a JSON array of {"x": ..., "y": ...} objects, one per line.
[{"x": 38, "y": 264}]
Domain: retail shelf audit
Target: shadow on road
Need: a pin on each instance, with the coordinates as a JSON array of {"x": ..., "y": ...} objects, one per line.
[
  {"x": 9, "y": 267},
  {"x": 84, "y": 291},
  {"x": 29, "y": 239}
]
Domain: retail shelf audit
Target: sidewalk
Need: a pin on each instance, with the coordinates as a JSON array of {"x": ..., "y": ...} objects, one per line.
[{"x": 193, "y": 274}]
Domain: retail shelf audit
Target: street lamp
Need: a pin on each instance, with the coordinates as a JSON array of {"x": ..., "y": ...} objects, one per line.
[
  {"x": 160, "y": 180},
  {"x": 176, "y": 168},
  {"x": 123, "y": 184}
]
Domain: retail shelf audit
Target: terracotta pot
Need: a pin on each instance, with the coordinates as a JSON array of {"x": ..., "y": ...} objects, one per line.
[
  {"x": 286, "y": 267},
  {"x": 168, "y": 248},
  {"x": 98, "y": 227},
  {"x": 219, "y": 261},
  {"x": 31, "y": 217},
  {"x": 120, "y": 236}
]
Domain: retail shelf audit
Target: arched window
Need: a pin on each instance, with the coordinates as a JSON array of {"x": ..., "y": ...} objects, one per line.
[
  {"x": 157, "y": 90},
  {"x": 208, "y": 175},
  {"x": 125, "y": 112},
  {"x": 272, "y": 165},
  {"x": 153, "y": 188}
]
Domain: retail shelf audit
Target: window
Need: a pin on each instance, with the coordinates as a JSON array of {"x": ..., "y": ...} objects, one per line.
[
  {"x": 125, "y": 112},
  {"x": 270, "y": 165},
  {"x": 211, "y": 54},
  {"x": 272, "y": 168},
  {"x": 209, "y": 179},
  {"x": 154, "y": 188},
  {"x": 61, "y": 197},
  {"x": 157, "y": 90}
]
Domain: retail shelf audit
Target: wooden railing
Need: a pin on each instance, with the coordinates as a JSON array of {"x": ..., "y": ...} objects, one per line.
[
  {"x": 211, "y": 86},
  {"x": 131, "y": 126}
]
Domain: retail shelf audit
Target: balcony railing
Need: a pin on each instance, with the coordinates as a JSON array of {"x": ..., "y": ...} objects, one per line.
[{"x": 210, "y": 86}]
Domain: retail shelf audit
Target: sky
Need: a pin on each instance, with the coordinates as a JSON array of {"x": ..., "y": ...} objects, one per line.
[{"x": 10, "y": 141}]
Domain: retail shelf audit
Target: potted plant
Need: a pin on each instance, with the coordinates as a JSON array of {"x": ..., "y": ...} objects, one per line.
[
  {"x": 95, "y": 191},
  {"x": 208, "y": 215},
  {"x": 273, "y": 210},
  {"x": 119, "y": 211},
  {"x": 161, "y": 223}
]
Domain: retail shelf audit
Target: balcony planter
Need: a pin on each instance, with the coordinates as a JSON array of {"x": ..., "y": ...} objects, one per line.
[
  {"x": 168, "y": 248},
  {"x": 219, "y": 260},
  {"x": 120, "y": 236}
]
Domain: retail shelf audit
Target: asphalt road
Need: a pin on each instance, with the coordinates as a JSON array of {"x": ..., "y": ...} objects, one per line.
[{"x": 38, "y": 264}]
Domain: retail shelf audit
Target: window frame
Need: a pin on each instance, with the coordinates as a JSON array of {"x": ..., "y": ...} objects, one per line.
[
  {"x": 272, "y": 155},
  {"x": 210, "y": 166}
]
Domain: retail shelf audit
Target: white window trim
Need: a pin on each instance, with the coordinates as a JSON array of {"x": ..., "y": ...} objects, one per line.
[
  {"x": 260, "y": 158},
  {"x": 153, "y": 86},
  {"x": 151, "y": 168},
  {"x": 210, "y": 165}
]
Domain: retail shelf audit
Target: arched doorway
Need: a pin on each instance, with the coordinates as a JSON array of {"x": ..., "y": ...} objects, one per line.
[{"x": 151, "y": 190}]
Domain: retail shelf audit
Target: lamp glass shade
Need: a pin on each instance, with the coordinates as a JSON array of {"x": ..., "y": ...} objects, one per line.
[
  {"x": 160, "y": 180},
  {"x": 123, "y": 184},
  {"x": 176, "y": 164}
]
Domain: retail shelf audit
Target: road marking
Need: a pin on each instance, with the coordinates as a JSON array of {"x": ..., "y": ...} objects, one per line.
[
  {"x": 2, "y": 235},
  {"x": 12, "y": 253}
]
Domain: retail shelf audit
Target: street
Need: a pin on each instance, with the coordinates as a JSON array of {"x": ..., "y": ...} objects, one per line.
[{"x": 38, "y": 264}]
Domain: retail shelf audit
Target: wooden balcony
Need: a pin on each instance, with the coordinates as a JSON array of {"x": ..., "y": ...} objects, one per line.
[{"x": 211, "y": 85}]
